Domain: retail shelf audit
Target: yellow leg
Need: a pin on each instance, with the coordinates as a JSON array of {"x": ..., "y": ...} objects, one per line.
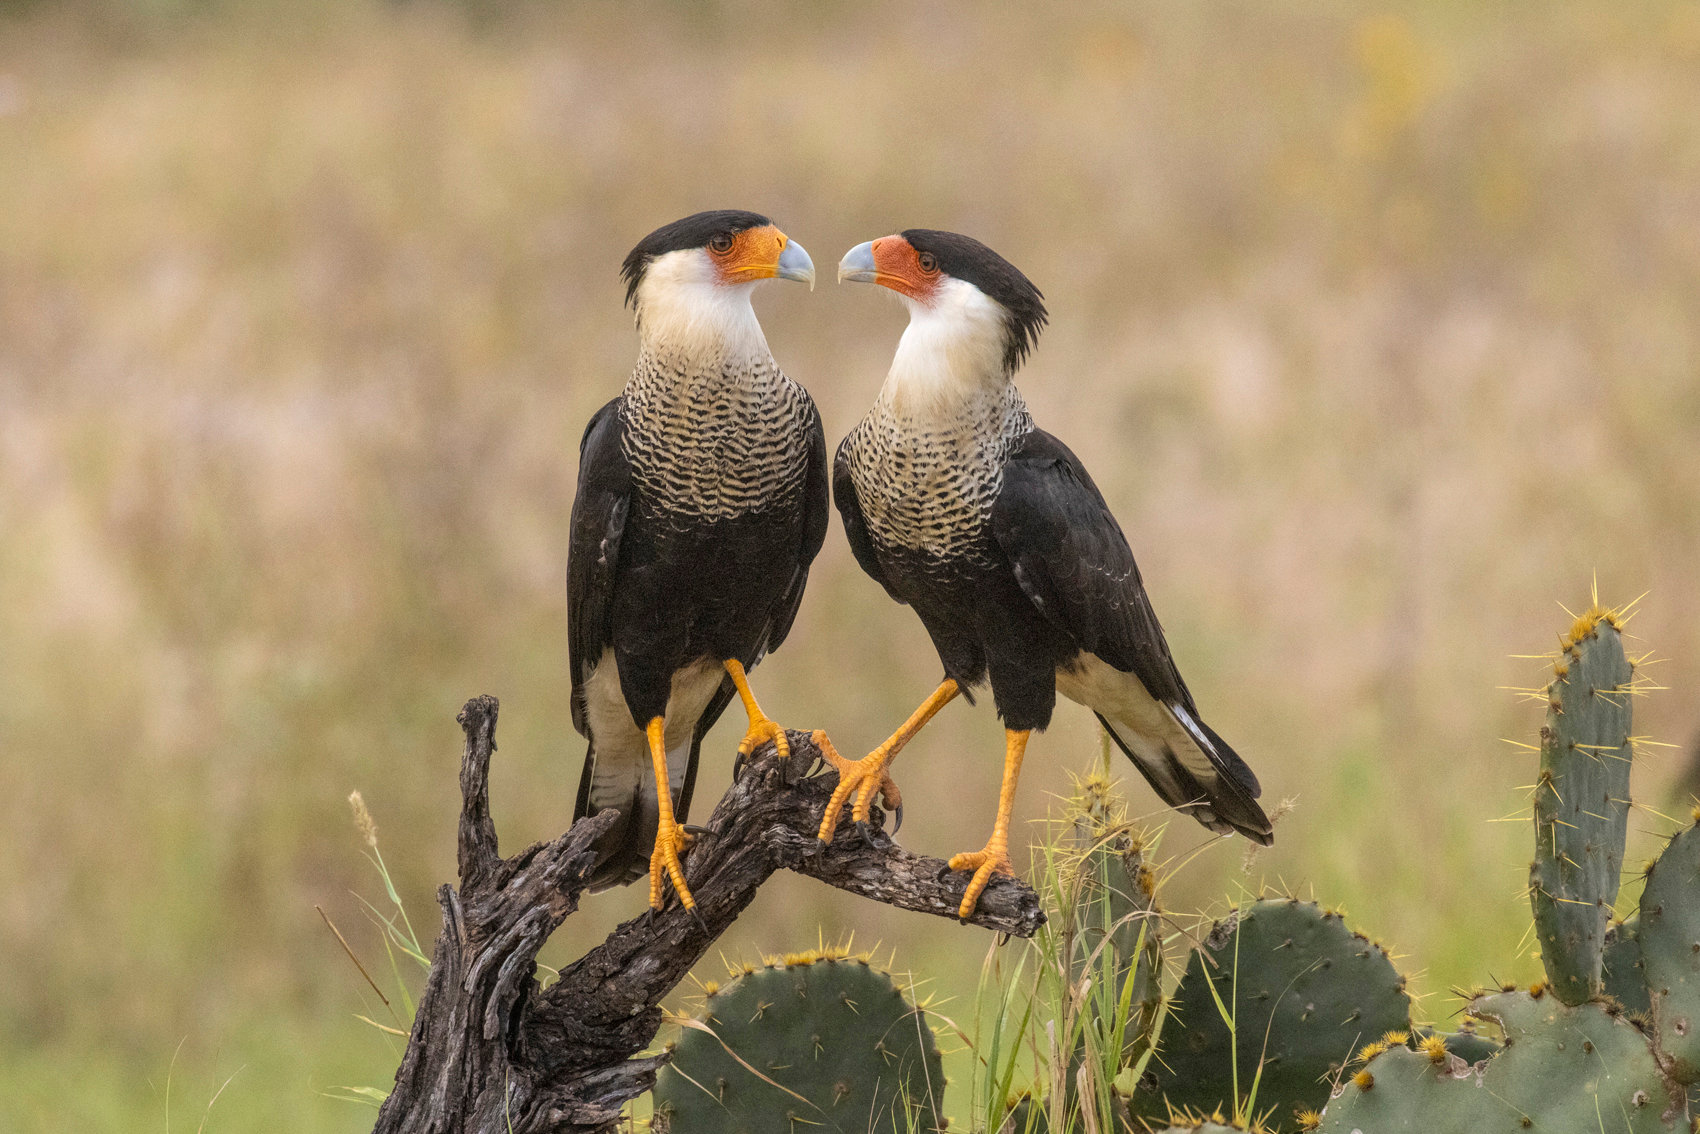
[
  {"x": 670, "y": 839},
  {"x": 995, "y": 858},
  {"x": 761, "y": 729},
  {"x": 865, "y": 775}
]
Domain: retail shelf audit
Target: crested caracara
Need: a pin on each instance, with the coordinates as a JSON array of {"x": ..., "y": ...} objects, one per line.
[
  {"x": 994, "y": 532},
  {"x": 702, "y": 499}
]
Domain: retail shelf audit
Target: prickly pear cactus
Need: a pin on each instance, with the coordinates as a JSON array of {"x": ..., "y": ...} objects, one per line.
[
  {"x": 1306, "y": 993},
  {"x": 1581, "y": 803},
  {"x": 1669, "y": 934},
  {"x": 819, "y": 1043},
  {"x": 1622, "y": 970},
  {"x": 1564, "y": 1070}
]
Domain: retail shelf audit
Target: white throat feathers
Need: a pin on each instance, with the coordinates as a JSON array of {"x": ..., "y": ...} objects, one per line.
[
  {"x": 951, "y": 354},
  {"x": 685, "y": 310}
]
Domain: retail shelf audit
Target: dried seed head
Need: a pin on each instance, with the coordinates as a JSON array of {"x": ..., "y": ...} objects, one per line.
[{"x": 363, "y": 821}]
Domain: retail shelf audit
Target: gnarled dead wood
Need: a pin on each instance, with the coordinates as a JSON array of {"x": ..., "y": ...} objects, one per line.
[{"x": 491, "y": 1052}]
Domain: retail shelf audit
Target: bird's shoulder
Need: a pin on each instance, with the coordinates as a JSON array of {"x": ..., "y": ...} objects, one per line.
[{"x": 1038, "y": 452}]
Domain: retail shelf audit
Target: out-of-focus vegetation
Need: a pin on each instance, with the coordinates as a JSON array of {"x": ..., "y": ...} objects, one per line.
[{"x": 1378, "y": 326}]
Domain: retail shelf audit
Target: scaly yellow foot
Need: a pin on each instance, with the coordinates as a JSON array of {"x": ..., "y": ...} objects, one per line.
[
  {"x": 762, "y": 729},
  {"x": 664, "y": 865},
  {"x": 863, "y": 777},
  {"x": 984, "y": 863},
  {"x": 995, "y": 858},
  {"x": 670, "y": 838},
  {"x": 869, "y": 773}
]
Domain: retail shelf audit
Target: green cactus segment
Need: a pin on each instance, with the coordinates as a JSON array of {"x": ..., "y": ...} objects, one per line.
[
  {"x": 1621, "y": 969},
  {"x": 1305, "y": 992},
  {"x": 1465, "y": 1043},
  {"x": 1117, "y": 898},
  {"x": 1581, "y": 804},
  {"x": 844, "y": 1050},
  {"x": 1563, "y": 1069},
  {"x": 1669, "y": 934}
]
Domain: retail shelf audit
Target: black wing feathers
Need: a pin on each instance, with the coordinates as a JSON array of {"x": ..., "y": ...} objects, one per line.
[
  {"x": 593, "y": 555},
  {"x": 817, "y": 511},
  {"x": 1073, "y": 562}
]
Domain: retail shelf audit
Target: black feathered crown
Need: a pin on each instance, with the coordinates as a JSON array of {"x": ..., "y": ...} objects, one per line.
[{"x": 965, "y": 258}]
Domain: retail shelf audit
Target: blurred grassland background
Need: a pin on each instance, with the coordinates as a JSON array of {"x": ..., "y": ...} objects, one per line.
[{"x": 1377, "y": 325}]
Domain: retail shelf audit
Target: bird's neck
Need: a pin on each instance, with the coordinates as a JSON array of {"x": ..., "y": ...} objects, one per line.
[
  {"x": 699, "y": 330},
  {"x": 950, "y": 358}
]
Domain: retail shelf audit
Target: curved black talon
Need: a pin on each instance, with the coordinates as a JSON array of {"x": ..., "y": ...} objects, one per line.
[
  {"x": 944, "y": 872},
  {"x": 701, "y": 924},
  {"x": 738, "y": 763},
  {"x": 865, "y": 831},
  {"x": 897, "y": 819},
  {"x": 693, "y": 829},
  {"x": 1003, "y": 939}
]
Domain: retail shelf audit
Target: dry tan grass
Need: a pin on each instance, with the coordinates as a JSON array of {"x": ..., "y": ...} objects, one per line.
[{"x": 1378, "y": 327}]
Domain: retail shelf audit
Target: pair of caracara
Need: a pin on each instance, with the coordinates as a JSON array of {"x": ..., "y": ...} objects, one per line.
[{"x": 702, "y": 500}]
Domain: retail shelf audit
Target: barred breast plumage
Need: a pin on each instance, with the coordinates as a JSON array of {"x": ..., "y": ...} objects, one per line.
[
  {"x": 715, "y": 445},
  {"x": 926, "y": 485}
]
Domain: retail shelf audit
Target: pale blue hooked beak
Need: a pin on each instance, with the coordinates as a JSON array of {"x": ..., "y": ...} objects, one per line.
[
  {"x": 794, "y": 264},
  {"x": 858, "y": 264}
]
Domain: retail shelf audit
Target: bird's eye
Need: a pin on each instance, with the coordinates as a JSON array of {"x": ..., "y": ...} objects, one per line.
[
  {"x": 721, "y": 243},
  {"x": 929, "y": 262}
]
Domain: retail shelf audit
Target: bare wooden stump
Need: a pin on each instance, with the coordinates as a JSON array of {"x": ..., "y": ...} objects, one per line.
[{"x": 491, "y": 1052}]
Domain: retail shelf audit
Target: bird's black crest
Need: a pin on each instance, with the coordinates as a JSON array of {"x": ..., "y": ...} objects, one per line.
[
  {"x": 694, "y": 231},
  {"x": 965, "y": 258}
]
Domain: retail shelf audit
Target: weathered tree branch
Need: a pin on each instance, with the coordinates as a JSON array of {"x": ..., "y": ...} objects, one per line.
[{"x": 491, "y": 1053}]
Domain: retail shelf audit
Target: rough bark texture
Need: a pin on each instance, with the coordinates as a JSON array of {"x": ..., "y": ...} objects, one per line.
[{"x": 491, "y": 1053}]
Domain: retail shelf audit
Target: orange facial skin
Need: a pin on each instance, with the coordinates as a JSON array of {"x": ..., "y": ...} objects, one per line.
[
  {"x": 754, "y": 255},
  {"x": 898, "y": 266}
]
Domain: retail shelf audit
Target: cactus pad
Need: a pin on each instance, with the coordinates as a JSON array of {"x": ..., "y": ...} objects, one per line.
[
  {"x": 1669, "y": 934},
  {"x": 831, "y": 1030},
  {"x": 1581, "y": 803},
  {"x": 1306, "y": 993},
  {"x": 1562, "y": 1070},
  {"x": 1622, "y": 971}
]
